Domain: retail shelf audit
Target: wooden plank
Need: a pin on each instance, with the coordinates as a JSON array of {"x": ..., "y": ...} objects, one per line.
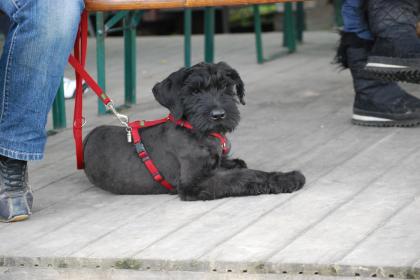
[
  {"x": 396, "y": 243},
  {"x": 49, "y": 219},
  {"x": 61, "y": 191},
  {"x": 322, "y": 155},
  {"x": 141, "y": 233},
  {"x": 101, "y": 218},
  {"x": 199, "y": 236},
  {"x": 316, "y": 201},
  {"x": 73, "y": 211},
  {"x": 337, "y": 235},
  {"x": 57, "y": 193}
]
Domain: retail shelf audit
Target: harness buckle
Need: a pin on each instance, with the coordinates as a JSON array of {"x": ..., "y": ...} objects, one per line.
[
  {"x": 140, "y": 147},
  {"x": 145, "y": 158}
]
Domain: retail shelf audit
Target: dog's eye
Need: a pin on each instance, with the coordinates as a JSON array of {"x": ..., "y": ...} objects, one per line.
[{"x": 195, "y": 91}]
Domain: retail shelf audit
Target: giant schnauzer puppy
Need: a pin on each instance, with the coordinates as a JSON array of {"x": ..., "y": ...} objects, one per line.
[{"x": 206, "y": 96}]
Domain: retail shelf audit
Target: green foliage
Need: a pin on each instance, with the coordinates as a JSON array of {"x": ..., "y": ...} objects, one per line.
[{"x": 244, "y": 16}]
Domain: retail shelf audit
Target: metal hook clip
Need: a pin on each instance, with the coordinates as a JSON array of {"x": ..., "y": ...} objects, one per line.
[{"x": 122, "y": 118}]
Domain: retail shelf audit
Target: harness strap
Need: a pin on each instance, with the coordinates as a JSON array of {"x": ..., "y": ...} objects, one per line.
[
  {"x": 181, "y": 122},
  {"x": 144, "y": 124},
  {"x": 224, "y": 143},
  {"x": 142, "y": 153},
  {"x": 144, "y": 156}
]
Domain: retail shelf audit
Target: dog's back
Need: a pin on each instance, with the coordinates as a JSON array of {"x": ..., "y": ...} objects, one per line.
[{"x": 111, "y": 163}]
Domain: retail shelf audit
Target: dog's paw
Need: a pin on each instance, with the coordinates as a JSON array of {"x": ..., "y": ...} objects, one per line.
[
  {"x": 234, "y": 163},
  {"x": 239, "y": 163},
  {"x": 286, "y": 182}
]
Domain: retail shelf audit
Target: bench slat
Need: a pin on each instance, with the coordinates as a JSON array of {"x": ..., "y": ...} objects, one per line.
[{"x": 115, "y": 5}]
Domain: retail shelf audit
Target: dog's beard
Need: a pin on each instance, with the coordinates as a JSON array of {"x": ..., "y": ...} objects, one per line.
[
  {"x": 204, "y": 124},
  {"x": 199, "y": 115}
]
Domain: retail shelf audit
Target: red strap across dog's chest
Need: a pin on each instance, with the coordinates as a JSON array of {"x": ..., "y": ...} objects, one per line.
[
  {"x": 142, "y": 153},
  {"x": 144, "y": 156},
  {"x": 224, "y": 142}
]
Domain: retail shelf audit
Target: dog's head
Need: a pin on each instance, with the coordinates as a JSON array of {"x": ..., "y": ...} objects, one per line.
[{"x": 206, "y": 95}]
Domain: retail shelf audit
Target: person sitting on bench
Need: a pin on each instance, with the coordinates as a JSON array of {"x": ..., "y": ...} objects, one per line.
[{"x": 35, "y": 53}]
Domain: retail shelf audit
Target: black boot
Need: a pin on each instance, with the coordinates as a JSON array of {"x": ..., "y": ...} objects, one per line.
[
  {"x": 376, "y": 103},
  {"x": 396, "y": 53},
  {"x": 15, "y": 194}
]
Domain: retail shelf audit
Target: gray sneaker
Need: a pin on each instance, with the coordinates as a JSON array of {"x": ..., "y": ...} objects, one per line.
[{"x": 15, "y": 195}]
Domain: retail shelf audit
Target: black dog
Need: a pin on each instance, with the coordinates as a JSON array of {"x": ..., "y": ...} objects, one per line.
[{"x": 205, "y": 95}]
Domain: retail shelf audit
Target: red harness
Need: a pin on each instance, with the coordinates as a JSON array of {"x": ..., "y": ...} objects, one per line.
[{"x": 144, "y": 156}]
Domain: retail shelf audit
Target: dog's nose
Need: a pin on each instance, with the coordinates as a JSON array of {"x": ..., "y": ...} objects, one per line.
[{"x": 218, "y": 114}]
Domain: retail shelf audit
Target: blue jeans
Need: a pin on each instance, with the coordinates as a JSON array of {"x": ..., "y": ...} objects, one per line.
[
  {"x": 354, "y": 19},
  {"x": 35, "y": 53}
]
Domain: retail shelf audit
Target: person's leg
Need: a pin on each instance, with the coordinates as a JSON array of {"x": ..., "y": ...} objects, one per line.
[
  {"x": 376, "y": 103},
  {"x": 396, "y": 53},
  {"x": 354, "y": 19},
  {"x": 35, "y": 53}
]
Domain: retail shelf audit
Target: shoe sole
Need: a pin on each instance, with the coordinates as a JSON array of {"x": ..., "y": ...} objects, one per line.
[
  {"x": 381, "y": 122},
  {"x": 18, "y": 218},
  {"x": 393, "y": 71}
]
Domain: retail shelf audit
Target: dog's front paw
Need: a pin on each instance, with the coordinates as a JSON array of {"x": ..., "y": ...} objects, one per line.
[
  {"x": 239, "y": 163},
  {"x": 233, "y": 163},
  {"x": 286, "y": 182}
]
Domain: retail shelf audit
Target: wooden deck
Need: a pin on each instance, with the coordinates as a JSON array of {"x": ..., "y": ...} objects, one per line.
[{"x": 359, "y": 213}]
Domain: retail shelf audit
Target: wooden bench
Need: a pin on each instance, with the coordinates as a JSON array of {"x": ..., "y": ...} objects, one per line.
[
  {"x": 115, "y": 5},
  {"x": 128, "y": 11}
]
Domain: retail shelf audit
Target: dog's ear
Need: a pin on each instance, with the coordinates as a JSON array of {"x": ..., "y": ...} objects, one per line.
[
  {"x": 233, "y": 75},
  {"x": 167, "y": 92}
]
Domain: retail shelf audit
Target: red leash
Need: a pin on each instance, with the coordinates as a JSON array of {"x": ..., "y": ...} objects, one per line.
[{"x": 78, "y": 61}]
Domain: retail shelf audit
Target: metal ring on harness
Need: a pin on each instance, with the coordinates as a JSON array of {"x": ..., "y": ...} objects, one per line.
[{"x": 84, "y": 122}]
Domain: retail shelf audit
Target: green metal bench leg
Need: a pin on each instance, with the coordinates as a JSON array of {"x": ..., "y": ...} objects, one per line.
[
  {"x": 289, "y": 33},
  {"x": 59, "y": 109},
  {"x": 100, "y": 57},
  {"x": 129, "y": 60},
  {"x": 258, "y": 34},
  {"x": 300, "y": 21},
  {"x": 187, "y": 37},
  {"x": 209, "y": 34},
  {"x": 338, "y": 16}
]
